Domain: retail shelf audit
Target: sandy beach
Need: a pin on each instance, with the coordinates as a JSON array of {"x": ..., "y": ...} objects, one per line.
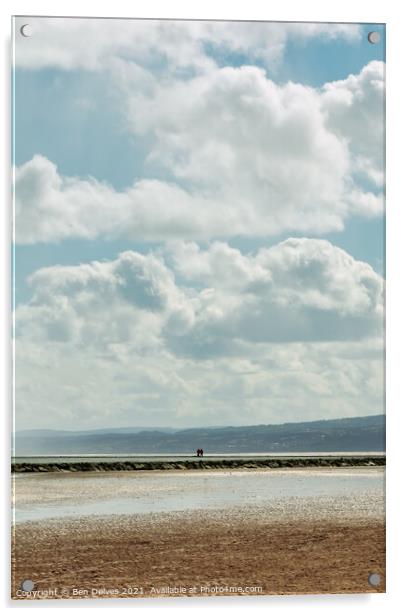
[{"x": 311, "y": 544}]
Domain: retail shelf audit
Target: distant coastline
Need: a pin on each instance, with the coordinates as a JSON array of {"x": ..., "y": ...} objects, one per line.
[
  {"x": 196, "y": 463},
  {"x": 345, "y": 436}
]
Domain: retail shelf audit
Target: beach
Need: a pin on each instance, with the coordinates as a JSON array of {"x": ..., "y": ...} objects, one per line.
[{"x": 295, "y": 531}]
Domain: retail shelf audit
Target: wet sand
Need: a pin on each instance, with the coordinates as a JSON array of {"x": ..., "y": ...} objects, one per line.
[
  {"x": 290, "y": 545},
  {"x": 349, "y": 491}
]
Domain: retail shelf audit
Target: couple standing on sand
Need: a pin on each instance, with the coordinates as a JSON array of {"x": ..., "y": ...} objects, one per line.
[{"x": 200, "y": 453}]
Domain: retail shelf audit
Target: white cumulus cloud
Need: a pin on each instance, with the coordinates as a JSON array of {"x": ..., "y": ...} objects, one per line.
[
  {"x": 298, "y": 290},
  {"x": 192, "y": 337},
  {"x": 245, "y": 156}
]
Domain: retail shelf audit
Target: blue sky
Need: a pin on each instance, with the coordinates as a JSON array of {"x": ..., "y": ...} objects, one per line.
[
  {"x": 317, "y": 62},
  {"x": 192, "y": 161}
]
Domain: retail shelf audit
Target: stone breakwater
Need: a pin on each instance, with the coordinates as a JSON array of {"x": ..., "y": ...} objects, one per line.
[{"x": 156, "y": 465}]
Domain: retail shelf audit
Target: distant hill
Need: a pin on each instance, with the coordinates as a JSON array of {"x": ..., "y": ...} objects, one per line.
[
  {"x": 348, "y": 434},
  {"x": 126, "y": 430}
]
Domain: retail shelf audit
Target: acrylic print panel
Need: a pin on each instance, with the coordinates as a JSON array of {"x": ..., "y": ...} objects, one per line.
[{"x": 198, "y": 308}]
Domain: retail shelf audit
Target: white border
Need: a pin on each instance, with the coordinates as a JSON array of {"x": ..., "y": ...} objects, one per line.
[{"x": 293, "y": 10}]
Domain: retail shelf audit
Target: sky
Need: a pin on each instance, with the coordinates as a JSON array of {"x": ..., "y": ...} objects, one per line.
[{"x": 199, "y": 222}]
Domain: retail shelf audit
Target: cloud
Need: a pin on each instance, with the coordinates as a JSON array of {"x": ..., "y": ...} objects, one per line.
[
  {"x": 191, "y": 338},
  {"x": 355, "y": 112},
  {"x": 288, "y": 153},
  {"x": 244, "y": 155},
  {"x": 101, "y": 304},
  {"x": 298, "y": 290},
  {"x": 94, "y": 44},
  {"x": 56, "y": 387},
  {"x": 50, "y": 207},
  {"x": 311, "y": 272}
]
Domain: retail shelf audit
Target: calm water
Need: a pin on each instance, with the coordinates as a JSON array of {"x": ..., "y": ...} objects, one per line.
[{"x": 358, "y": 491}]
